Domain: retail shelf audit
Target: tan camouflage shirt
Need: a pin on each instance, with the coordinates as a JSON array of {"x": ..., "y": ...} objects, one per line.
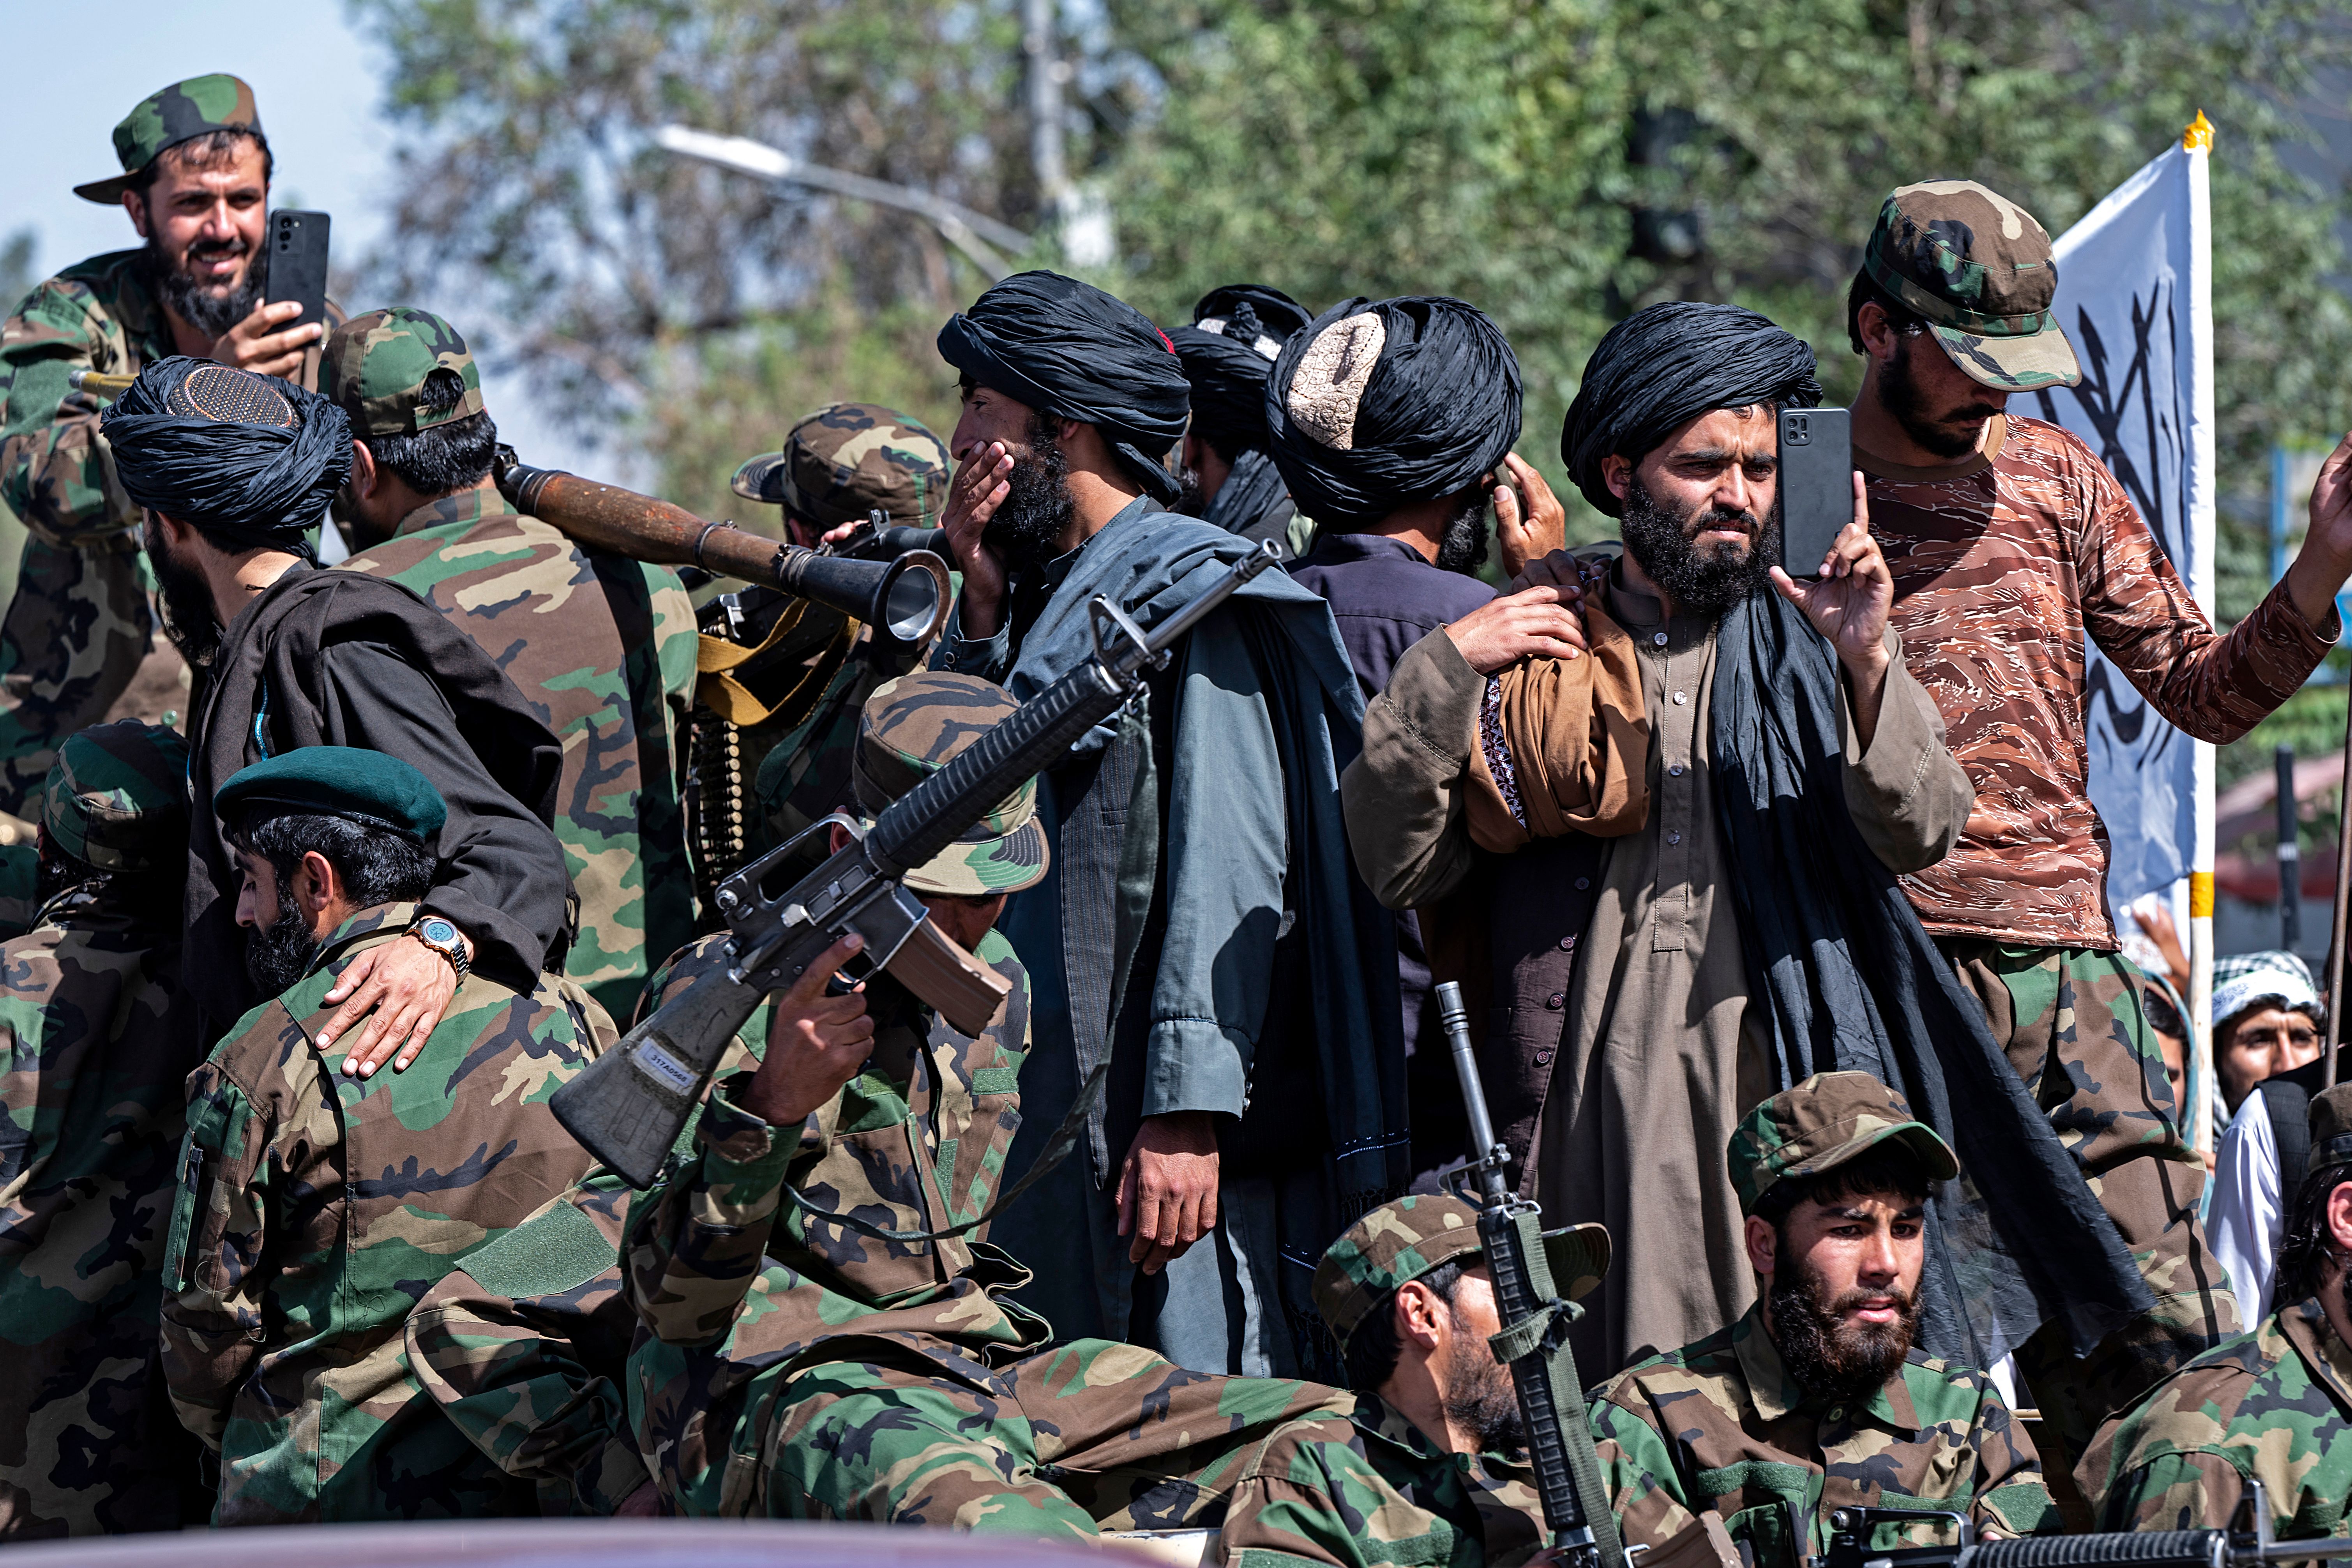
[
  {"x": 2003, "y": 564},
  {"x": 1721, "y": 1425}
]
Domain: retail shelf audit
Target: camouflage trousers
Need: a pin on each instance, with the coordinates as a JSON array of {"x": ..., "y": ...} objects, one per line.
[
  {"x": 2070, "y": 1021},
  {"x": 1087, "y": 1437},
  {"x": 72, "y": 640}
]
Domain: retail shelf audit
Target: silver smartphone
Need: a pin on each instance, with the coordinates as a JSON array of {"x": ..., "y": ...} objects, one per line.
[{"x": 1816, "y": 486}]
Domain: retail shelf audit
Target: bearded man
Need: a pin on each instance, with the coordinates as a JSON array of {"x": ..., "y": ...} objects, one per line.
[
  {"x": 1230, "y": 478},
  {"x": 2273, "y": 1405},
  {"x": 2011, "y": 544},
  {"x": 232, "y": 470},
  {"x": 1663, "y": 871},
  {"x": 196, "y": 185},
  {"x": 1254, "y": 1101},
  {"x": 1817, "y": 1398}
]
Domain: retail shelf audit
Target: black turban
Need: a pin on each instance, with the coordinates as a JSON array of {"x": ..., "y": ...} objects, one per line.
[
  {"x": 1665, "y": 365},
  {"x": 1228, "y": 351},
  {"x": 250, "y": 460},
  {"x": 1374, "y": 406},
  {"x": 1067, "y": 348}
]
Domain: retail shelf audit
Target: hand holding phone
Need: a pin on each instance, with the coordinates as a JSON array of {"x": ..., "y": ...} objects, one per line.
[
  {"x": 272, "y": 339},
  {"x": 1816, "y": 480}
]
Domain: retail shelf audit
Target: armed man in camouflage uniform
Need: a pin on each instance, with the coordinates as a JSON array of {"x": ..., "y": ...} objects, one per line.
[
  {"x": 1430, "y": 1465},
  {"x": 1815, "y": 1400},
  {"x": 195, "y": 184},
  {"x": 96, "y": 1042},
  {"x": 836, "y": 465},
  {"x": 808, "y": 1364},
  {"x": 314, "y": 1206},
  {"x": 601, "y": 647},
  {"x": 2273, "y": 1406}
]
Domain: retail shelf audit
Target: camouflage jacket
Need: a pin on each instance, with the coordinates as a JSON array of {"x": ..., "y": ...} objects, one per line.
[
  {"x": 1370, "y": 1490},
  {"x": 602, "y": 648},
  {"x": 735, "y": 1282},
  {"x": 525, "y": 1347},
  {"x": 314, "y": 1209},
  {"x": 96, "y": 1042},
  {"x": 1720, "y": 1425},
  {"x": 2274, "y": 1405},
  {"x": 56, "y": 472}
]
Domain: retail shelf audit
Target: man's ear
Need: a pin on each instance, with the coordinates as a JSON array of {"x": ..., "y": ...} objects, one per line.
[
  {"x": 365, "y": 474},
  {"x": 316, "y": 887},
  {"x": 1763, "y": 1246},
  {"x": 1419, "y": 1314},
  {"x": 1879, "y": 337},
  {"x": 1617, "y": 473},
  {"x": 136, "y": 205},
  {"x": 2339, "y": 1216}
]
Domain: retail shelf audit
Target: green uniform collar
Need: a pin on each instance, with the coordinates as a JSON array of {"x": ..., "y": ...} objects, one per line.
[
  {"x": 462, "y": 507},
  {"x": 2306, "y": 1327},
  {"x": 1775, "y": 1394},
  {"x": 368, "y": 928}
]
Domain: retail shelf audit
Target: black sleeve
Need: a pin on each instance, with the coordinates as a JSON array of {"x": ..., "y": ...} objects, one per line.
[{"x": 502, "y": 877}]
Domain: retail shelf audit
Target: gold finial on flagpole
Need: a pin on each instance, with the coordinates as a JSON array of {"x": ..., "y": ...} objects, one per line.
[{"x": 2199, "y": 137}]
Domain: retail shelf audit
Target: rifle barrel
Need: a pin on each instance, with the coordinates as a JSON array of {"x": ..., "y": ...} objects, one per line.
[{"x": 1455, "y": 1016}]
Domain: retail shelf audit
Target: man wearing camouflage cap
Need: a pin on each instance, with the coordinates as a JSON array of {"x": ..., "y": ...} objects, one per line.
[
  {"x": 196, "y": 185},
  {"x": 314, "y": 1207},
  {"x": 601, "y": 646},
  {"x": 2273, "y": 1405},
  {"x": 2010, "y": 541},
  {"x": 1429, "y": 1464},
  {"x": 806, "y": 1364},
  {"x": 837, "y": 465},
  {"x": 1816, "y": 1400},
  {"x": 95, "y": 1039}
]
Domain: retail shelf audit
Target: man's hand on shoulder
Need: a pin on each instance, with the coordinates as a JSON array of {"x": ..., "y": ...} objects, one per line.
[
  {"x": 256, "y": 344},
  {"x": 402, "y": 988},
  {"x": 1540, "y": 532},
  {"x": 1544, "y": 622},
  {"x": 1168, "y": 1187}
]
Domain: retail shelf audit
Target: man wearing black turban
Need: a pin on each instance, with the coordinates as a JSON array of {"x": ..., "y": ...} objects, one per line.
[
  {"x": 1612, "y": 827},
  {"x": 232, "y": 470},
  {"x": 1198, "y": 926},
  {"x": 1237, "y": 331}
]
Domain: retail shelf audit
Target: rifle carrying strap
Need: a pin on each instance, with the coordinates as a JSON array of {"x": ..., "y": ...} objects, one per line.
[{"x": 1545, "y": 1331}]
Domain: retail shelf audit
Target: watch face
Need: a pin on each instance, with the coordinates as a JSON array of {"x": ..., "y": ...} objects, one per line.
[{"x": 439, "y": 932}]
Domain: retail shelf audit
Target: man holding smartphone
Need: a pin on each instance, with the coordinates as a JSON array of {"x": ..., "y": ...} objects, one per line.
[
  {"x": 2010, "y": 541},
  {"x": 196, "y": 185}
]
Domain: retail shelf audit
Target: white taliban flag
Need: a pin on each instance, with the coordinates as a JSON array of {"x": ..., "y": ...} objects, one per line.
[{"x": 2136, "y": 296}]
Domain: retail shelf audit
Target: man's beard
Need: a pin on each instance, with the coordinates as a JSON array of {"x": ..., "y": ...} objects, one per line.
[
  {"x": 1703, "y": 580},
  {"x": 1463, "y": 546},
  {"x": 1955, "y": 435},
  {"x": 210, "y": 308},
  {"x": 1831, "y": 1359},
  {"x": 279, "y": 954},
  {"x": 1479, "y": 1395},
  {"x": 1029, "y": 523},
  {"x": 187, "y": 602}
]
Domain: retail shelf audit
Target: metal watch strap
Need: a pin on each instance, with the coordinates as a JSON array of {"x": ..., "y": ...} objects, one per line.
[{"x": 454, "y": 953}]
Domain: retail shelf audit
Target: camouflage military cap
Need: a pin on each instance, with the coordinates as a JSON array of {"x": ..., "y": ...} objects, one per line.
[
  {"x": 910, "y": 729},
  {"x": 181, "y": 113},
  {"x": 1978, "y": 268},
  {"x": 1821, "y": 1124},
  {"x": 1405, "y": 1238},
  {"x": 116, "y": 799},
  {"x": 847, "y": 458},
  {"x": 2331, "y": 1127},
  {"x": 399, "y": 371}
]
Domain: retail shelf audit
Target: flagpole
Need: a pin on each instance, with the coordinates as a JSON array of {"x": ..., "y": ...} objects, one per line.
[{"x": 2196, "y": 143}]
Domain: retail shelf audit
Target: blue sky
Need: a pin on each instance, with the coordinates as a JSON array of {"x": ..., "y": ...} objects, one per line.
[{"x": 317, "y": 81}]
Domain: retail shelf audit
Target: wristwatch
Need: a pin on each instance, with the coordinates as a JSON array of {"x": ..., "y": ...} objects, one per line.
[{"x": 440, "y": 935}]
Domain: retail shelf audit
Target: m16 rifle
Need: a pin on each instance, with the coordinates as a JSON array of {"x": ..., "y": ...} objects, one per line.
[
  {"x": 629, "y": 1105},
  {"x": 1534, "y": 1340},
  {"x": 2247, "y": 1544}
]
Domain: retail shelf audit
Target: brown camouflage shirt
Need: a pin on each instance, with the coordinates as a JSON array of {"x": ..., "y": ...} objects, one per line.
[
  {"x": 2003, "y": 564},
  {"x": 1720, "y": 1425}
]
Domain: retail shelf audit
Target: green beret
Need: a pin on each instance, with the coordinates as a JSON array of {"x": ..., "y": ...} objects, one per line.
[
  {"x": 117, "y": 798},
  {"x": 350, "y": 782}
]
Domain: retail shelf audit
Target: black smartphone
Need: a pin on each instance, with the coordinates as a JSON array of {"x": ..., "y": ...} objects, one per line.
[
  {"x": 1816, "y": 484},
  {"x": 297, "y": 264}
]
